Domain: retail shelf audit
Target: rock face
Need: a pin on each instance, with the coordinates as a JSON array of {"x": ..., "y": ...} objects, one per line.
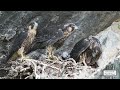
[
  {"x": 110, "y": 58},
  {"x": 13, "y": 26}
]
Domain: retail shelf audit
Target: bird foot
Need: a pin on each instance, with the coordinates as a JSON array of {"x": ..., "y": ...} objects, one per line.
[
  {"x": 23, "y": 58},
  {"x": 85, "y": 65},
  {"x": 50, "y": 53},
  {"x": 53, "y": 58},
  {"x": 83, "y": 60}
]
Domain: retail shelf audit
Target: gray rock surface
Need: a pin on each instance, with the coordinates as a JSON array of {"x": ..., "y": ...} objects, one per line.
[
  {"x": 13, "y": 27},
  {"x": 110, "y": 59}
]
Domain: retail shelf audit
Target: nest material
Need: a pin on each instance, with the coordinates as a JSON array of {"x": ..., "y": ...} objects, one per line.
[
  {"x": 44, "y": 68},
  {"x": 47, "y": 69}
]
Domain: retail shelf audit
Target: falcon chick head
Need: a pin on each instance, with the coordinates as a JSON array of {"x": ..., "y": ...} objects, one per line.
[
  {"x": 33, "y": 26},
  {"x": 69, "y": 28}
]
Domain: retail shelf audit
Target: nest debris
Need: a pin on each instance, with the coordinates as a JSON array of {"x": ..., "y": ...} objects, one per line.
[{"x": 45, "y": 68}]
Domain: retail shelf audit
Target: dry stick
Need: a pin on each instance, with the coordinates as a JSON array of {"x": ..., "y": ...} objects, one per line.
[
  {"x": 28, "y": 76},
  {"x": 24, "y": 69},
  {"x": 45, "y": 65},
  {"x": 64, "y": 64},
  {"x": 14, "y": 70},
  {"x": 35, "y": 67},
  {"x": 35, "y": 70}
]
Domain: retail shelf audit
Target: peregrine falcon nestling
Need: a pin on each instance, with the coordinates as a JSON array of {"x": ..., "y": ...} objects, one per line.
[
  {"x": 52, "y": 37},
  {"x": 87, "y": 51},
  {"x": 28, "y": 40},
  {"x": 67, "y": 31}
]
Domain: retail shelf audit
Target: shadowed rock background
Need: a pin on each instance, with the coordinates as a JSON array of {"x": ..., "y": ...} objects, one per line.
[{"x": 13, "y": 27}]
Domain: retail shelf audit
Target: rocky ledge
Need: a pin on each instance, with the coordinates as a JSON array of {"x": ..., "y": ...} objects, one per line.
[{"x": 13, "y": 26}]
